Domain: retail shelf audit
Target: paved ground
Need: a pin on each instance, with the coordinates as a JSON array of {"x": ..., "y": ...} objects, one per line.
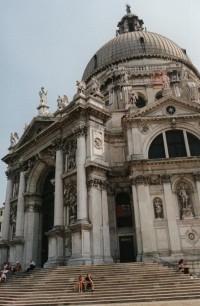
[{"x": 167, "y": 303}]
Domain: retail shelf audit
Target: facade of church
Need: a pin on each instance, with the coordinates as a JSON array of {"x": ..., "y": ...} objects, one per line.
[{"x": 112, "y": 176}]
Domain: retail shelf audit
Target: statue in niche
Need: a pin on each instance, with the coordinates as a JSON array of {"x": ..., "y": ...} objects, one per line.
[
  {"x": 72, "y": 203},
  {"x": 15, "y": 188},
  {"x": 13, "y": 215},
  {"x": 43, "y": 96},
  {"x": 71, "y": 164},
  {"x": 185, "y": 201},
  {"x": 13, "y": 139},
  {"x": 158, "y": 208},
  {"x": 62, "y": 102},
  {"x": 81, "y": 86},
  {"x": 184, "y": 197}
]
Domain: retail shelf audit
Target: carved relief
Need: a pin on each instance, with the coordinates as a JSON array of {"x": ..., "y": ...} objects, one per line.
[
  {"x": 98, "y": 143},
  {"x": 191, "y": 236},
  {"x": 145, "y": 129}
]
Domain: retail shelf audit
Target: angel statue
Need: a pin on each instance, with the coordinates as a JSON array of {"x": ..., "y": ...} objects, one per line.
[{"x": 13, "y": 139}]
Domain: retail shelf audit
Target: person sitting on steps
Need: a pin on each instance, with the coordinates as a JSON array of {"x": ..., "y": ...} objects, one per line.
[
  {"x": 89, "y": 281},
  {"x": 17, "y": 267},
  {"x": 80, "y": 283},
  {"x": 183, "y": 267},
  {"x": 32, "y": 266}
]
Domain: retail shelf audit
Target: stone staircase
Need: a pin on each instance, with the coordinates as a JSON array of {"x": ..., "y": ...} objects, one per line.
[{"x": 114, "y": 283}]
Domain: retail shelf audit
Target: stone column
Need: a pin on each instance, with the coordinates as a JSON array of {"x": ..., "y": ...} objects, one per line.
[
  {"x": 6, "y": 216},
  {"x": 106, "y": 231},
  {"x": 58, "y": 205},
  {"x": 197, "y": 182},
  {"x": 137, "y": 222},
  {"x": 20, "y": 207},
  {"x": 145, "y": 214},
  {"x": 82, "y": 209},
  {"x": 171, "y": 217}
]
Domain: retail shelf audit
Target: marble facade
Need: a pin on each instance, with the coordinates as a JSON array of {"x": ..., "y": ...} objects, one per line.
[{"x": 106, "y": 177}]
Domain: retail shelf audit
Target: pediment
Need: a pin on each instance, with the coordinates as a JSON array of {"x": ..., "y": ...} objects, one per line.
[
  {"x": 169, "y": 107},
  {"x": 36, "y": 127}
]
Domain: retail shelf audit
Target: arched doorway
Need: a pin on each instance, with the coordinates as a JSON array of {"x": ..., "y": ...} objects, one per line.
[
  {"x": 124, "y": 223},
  {"x": 47, "y": 211}
]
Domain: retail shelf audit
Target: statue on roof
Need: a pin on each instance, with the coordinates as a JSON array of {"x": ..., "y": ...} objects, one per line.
[
  {"x": 128, "y": 8},
  {"x": 13, "y": 138},
  {"x": 62, "y": 102},
  {"x": 43, "y": 96},
  {"x": 81, "y": 86},
  {"x": 95, "y": 85}
]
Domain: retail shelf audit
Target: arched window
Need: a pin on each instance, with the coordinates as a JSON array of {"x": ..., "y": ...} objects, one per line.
[
  {"x": 123, "y": 210},
  {"x": 174, "y": 143}
]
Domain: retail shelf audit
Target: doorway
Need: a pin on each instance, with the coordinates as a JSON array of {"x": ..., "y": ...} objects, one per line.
[
  {"x": 47, "y": 212},
  {"x": 126, "y": 248}
]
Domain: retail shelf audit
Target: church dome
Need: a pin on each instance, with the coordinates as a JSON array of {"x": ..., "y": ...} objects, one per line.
[
  {"x": 132, "y": 43},
  {"x": 135, "y": 45}
]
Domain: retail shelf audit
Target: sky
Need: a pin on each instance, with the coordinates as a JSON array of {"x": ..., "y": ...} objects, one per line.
[{"x": 48, "y": 43}]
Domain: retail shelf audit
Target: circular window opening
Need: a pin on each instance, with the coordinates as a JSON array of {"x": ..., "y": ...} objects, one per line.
[{"x": 140, "y": 102}]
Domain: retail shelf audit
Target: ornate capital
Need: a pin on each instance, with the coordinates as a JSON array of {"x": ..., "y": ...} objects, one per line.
[
  {"x": 166, "y": 178},
  {"x": 140, "y": 179},
  {"x": 33, "y": 207},
  {"x": 97, "y": 183},
  {"x": 9, "y": 174},
  {"x": 80, "y": 131},
  {"x": 196, "y": 176},
  {"x": 57, "y": 144}
]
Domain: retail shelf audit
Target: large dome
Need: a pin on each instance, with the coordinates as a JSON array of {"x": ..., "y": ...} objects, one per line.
[{"x": 134, "y": 45}]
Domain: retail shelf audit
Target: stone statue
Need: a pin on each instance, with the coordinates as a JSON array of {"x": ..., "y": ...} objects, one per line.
[
  {"x": 81, "y": 86},
  {"x": 158, "y": 208},
  {"x": 71, "y": 162},
  {"x": 184, "y": 197},
  {"x": 128, "y": 8},
  {"x": 13, "y": 215},
  {"x": 165, "y": 81},
  {"x": 62, "y": 102},
  {"x": 72, "y": 203},
  {"x": 43, "y": 96},
  {"x": 124, "y": 77},
  {"x": 13, "y": 139},
  {"x": 185, "y": 202},
  {"x": 95, "y": 85},
  {"x": 133, "y": 96}
]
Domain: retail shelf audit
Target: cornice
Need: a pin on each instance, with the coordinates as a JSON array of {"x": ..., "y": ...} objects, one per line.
[{"x": 165, "y": 161}]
